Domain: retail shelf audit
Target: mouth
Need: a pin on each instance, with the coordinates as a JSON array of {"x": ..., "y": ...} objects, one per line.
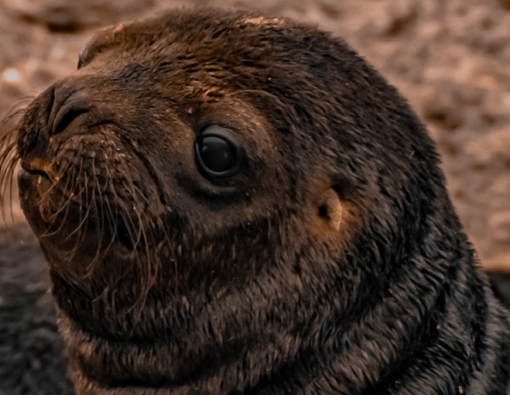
[
  {"x": 28, "y": 179},
  {"x": 34, "y": 178},
  {"x": 36, "y": 166},
  {"x": 34, "y": 182}
]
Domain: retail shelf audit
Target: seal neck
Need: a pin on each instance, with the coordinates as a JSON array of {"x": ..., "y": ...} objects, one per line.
[{"x": 356, "y": 348}]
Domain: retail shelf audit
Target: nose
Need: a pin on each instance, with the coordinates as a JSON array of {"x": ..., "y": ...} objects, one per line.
[
  {"x": 69, "y": 104},
  {"x": 56, "y": 111}
]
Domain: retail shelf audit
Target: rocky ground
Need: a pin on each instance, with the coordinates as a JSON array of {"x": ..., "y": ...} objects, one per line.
[{"x": 448, "y": 57}]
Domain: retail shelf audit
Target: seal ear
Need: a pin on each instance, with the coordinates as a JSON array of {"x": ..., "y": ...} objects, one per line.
[{"x": 330, "y": 209}]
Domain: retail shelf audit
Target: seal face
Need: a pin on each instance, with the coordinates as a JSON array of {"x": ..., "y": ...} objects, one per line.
[{"x": 231, "y": 203}]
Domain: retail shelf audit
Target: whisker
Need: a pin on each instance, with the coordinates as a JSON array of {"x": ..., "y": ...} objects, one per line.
[
  {"x": 9, "y": 158},
  {"x": 8, "y": 162},
  {"x": 99, "y": 221},
  {"x": 110, "y": 187},
  {"x": 64, "y": 206}
]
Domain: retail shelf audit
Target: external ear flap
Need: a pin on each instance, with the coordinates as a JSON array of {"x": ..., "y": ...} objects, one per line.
[{"x": 331, "y": 209}]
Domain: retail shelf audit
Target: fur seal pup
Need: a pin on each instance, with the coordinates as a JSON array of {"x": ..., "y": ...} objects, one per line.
[{"x": 237, "y": 204}]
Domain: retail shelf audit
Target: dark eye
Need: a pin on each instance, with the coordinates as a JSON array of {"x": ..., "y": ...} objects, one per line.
[{"x": 216, "y": 152}]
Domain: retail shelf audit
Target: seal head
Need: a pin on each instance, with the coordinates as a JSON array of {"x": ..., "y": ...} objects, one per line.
[{"x": 230, "y": 202}]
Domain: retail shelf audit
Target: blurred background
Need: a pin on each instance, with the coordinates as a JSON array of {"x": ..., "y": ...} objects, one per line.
[{"x": 450, "y": 58}]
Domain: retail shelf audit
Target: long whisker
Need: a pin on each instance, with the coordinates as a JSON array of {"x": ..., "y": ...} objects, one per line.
[
  {"x": 83, "y": 197},
  {"x": 9, "y": 157},
  {"x": 63, "y": 205},
  {"x": 109, "y": 186},
  {"x": 96, "y": 190},
  {"x": 8, "y": 162},
  {"x": 67, "y": 192},
  {"x": 78, "y": 196}
]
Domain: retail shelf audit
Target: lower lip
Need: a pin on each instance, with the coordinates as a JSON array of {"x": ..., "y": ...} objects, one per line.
[{"x": 27, "y": 179}]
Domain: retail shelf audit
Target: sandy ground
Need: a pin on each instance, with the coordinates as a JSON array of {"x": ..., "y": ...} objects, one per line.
[{"x": 448, "y": 57}]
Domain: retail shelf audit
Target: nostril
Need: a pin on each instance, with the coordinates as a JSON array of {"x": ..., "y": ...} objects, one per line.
[
  {"x": 74, "y": 106},
  {"x": 64, "y": 118},
  {"x": 30, "y": 143}
]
